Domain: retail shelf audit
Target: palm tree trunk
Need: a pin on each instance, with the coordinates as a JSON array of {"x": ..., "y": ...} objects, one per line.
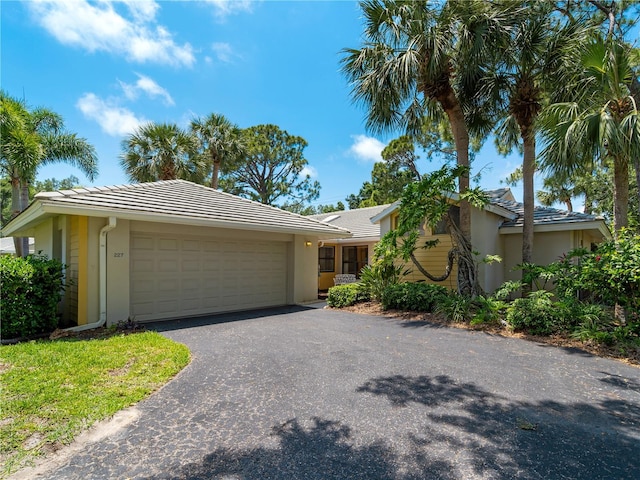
[
  {"x": 215, "y": 174},
  {"x": 569, "y": 204},
  {"x": 620, "y": 211},
  {"x": 620, "y": 194},
  {"x": 467, "y": 271},
  {"x": 24, "y": 203},
  {"x": 528, "y": 171},
  {"x": 16, "y": 208},
  {"x": 636, "y": 166}
]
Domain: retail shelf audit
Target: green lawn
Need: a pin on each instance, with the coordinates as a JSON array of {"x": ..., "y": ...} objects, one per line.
[{"x": 52, "y": 390}]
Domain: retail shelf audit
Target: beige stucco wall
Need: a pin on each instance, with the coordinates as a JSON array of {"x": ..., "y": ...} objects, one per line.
[
  {"x": 485, "y": 239},
  {"x": 43, "y": 238},
  {"x": 303, "y": 269},
  {"x": 548, "y": 247},
  {"x": 118, "y": 257}
]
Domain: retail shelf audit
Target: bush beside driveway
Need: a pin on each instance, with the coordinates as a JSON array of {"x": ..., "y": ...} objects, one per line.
[{"x": 316, "y": 394}]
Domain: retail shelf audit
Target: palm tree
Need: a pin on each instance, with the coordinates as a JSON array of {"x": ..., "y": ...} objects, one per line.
[
  {"x": 421, "y": 59},
  {"x": 220, "y": 139},
  {"x": 161, "y": 151},
  {"x": 604, "y": 125},
  {"x": 30, "y": 139},
  {"x": 527, "y": 70}
]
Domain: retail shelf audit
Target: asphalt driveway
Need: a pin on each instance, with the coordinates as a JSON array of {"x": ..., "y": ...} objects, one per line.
[{"x": 306, "y": 393}]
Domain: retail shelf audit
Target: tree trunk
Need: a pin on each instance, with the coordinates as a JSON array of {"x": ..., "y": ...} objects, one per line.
[
  {"x": 620, "y": 211},
  {"x": 620, "y": 194},
  {"x": 467, "y": 278},
  {"x": 569, "y": 205},
  {"x": 215, "y": 174},
  {"x": 16, "y": 208},
  {"x": 528, "y": 171},
  {"x": 24, "y": 203},
  {"x": 636, "y": 166}
]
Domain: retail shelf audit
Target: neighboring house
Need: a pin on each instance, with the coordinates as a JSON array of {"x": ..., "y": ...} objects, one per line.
[
  {"x": 172, "y": 249},
  {"x": 7, "y": 247},
  {"x": 497, "y": 230},
  {"x": 347, "y": 255}
]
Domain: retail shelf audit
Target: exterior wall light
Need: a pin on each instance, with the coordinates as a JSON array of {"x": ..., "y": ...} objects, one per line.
[{"x": 307, "y": 244}]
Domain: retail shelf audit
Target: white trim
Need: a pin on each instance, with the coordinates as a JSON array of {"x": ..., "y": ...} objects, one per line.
[
  {"x": 598, "y": 225},
  {"x": 39, "y": 209},
  {"x": 387, "y": 211}
]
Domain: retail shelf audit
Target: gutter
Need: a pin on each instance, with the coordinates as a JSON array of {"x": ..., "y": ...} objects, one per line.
[{"x": 102, "y": 280}]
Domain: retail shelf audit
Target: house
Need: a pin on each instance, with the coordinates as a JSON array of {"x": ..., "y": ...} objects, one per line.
[
  {"x": 7, "y": 247},
  {"x": 496, "y": 229},
  {"x": 347, "y": 255},
  {"x": 169, "y": 249}
]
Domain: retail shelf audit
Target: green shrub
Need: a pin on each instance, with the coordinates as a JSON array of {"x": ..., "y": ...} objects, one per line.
[
  {"x": 346, "y": 295},
  {"x": 454, "y": 307},
  {"x": 612, "y": 272},
  {"x": 375, "y": 278},
  {"x": 31, "y": 290},
  {"x": 487, "y": 310},
  {"x": 538, "y": 314},
  {"x": 419, "y": 297}
]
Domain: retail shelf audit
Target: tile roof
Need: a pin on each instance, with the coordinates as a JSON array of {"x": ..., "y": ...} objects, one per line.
[
  {"x": 499, "y": 194},
  {"x": 542, "y": 215},
  {"x": 184, "y": 202},
  {"x": 357, "y": 221}
]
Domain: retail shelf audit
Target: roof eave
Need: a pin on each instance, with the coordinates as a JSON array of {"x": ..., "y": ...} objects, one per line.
[
  {"x": 40, "y": 209},
  {"x": 27, "y": 219},
  {"x": 498, "y": 210},
  {"x": 598, "y": 225},
  {"x": 386, "y": 212}
]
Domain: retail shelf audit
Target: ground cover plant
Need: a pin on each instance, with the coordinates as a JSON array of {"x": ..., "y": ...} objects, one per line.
[
  {"x": 54, "y": 389},
  {"x": 576, "y": 301}
]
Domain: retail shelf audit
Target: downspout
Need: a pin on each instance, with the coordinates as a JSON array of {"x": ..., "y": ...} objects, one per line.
[{"x": 102, "y": 280}]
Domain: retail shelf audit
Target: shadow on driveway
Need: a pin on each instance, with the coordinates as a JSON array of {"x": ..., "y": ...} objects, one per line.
[{"x": 226, "y": 317}]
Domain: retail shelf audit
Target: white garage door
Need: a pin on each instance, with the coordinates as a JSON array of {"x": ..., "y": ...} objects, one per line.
[{"x": 175, "y": 276}]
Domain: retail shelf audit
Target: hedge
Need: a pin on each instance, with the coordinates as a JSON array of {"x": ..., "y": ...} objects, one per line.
[{"x": 31, "y": 290}]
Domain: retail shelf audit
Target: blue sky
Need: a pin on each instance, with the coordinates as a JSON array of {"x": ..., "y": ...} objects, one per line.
[{"x": 107, "y": 67}]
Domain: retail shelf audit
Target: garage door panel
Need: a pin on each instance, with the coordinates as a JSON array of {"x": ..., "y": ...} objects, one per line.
[{"x": 173, "y": 276}]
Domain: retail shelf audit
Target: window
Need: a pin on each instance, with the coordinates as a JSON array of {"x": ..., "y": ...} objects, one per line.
[
  {"x": 394, "y": 222},
  {"x": 441, "y": 227},
  {"x": 353, "y": 259},
  {"x": 327, "y": 259}
]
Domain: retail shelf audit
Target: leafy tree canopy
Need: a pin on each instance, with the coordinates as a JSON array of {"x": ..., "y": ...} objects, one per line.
[
  {"x": 272, "y": 171},
  {"x": 311, "y": 210}
]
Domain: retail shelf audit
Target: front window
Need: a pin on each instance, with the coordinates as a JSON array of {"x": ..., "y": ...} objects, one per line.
[
  {"x": 326, "y": 259},
  {"x": 353, "y": 259}
]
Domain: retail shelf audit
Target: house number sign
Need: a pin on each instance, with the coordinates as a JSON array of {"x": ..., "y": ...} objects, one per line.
[{"x": 118, "y": 254}]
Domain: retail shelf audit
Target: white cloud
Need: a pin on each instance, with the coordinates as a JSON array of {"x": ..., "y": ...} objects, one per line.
[
  {"x": 309, "y": 170},
  {"x": 365, "y": 148},
  {"x": 224, "y": 8},
  {"x": 148, "y": 86},
  {"x": 223, "y": 52},
  {"x": 113, "y": 120},
  {"x": 99, "y": 27}
]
